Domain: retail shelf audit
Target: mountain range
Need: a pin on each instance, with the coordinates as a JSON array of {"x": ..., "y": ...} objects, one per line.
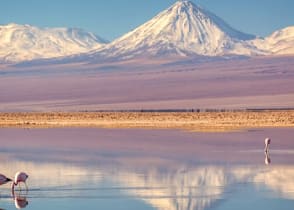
[
  {"x": 26, "y": 42},
  {"x": 184, "y": 29}
]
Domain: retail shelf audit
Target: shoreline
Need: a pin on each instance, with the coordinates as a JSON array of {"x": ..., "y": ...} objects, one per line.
[{"x": 216, "y": 121}]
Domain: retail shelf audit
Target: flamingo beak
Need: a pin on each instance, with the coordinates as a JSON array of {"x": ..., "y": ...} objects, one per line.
[{"x": 8, "y": 180}]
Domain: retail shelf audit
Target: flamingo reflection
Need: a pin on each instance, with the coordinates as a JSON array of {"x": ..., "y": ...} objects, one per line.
[
  {"x": 20, "y": 201},
  {"x": 267, "y": 159}
]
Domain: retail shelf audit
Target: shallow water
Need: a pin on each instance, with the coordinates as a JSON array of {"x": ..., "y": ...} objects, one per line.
[{"x": 148, "y": 169}]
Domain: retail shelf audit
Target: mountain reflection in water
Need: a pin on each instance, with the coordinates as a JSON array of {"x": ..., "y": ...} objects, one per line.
[
  {"x": 179, "y": 188},
  {"x": 141, "y": 175}
]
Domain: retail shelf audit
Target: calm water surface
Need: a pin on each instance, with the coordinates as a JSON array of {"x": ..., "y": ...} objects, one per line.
[{"x": 148, "y": 169}]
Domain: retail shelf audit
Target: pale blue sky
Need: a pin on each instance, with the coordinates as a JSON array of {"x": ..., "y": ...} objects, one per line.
[{"x": 113, "y": 18}]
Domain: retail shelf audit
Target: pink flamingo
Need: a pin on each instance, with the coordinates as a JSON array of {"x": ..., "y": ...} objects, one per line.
[
  {"x": 267, "y": 142},
  {"x": 4, "y": 179},
  {"x": 19, "y": 177}
]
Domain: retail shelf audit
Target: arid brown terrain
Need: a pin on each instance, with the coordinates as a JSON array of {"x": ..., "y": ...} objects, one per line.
[{"x": 193, "y": 121}]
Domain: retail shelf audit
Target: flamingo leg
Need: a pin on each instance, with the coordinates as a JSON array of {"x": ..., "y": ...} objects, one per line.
[
  {"x": 266, "y": 148},
  {"x": 26, "y": 186}
]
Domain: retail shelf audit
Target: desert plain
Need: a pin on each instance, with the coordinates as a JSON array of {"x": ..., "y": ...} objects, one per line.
[{"x": 199, "y": 121}]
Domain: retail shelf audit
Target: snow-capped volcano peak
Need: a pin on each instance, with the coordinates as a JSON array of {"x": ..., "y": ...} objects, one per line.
[
  {"x": 182, "y": 29},
  {"x": 198, "y": 18}
]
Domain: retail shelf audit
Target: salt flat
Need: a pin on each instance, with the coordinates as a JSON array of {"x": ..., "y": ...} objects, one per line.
[
  {"x": 261, "y": 82},
  {"x": 192, "y": 121}
]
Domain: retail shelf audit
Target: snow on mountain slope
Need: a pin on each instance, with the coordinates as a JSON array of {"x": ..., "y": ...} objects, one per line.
[
  {"x": 280, "y": 42},
  {"x": 25, "y": 42},
  {"x": 183, "y": 29}
]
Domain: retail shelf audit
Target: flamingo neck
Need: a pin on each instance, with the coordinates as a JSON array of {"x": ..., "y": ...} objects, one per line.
[
  {"x": 12, "y": 185},
  {"x": 12, "y": 188}
]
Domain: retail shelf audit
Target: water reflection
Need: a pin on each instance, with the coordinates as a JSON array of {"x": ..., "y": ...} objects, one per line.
[
  {"x": 187, "y": 188},
  {"x": 177, "y": 188},
  {"x": 201, "y": 187},
  {"x": 20, "y": 201},
  {"x": 154, "y": 173},
  {"x": 267, "y": 159}
]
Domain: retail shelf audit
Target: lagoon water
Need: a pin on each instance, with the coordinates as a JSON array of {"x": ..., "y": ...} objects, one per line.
[{"x": 72, "y": 168}]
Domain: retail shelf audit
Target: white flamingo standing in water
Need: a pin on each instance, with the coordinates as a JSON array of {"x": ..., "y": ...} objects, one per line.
[
  {"x": 267, "y": 142},
  {"x": 19, "y": 177},
  {"x": 4, "y": 179}
]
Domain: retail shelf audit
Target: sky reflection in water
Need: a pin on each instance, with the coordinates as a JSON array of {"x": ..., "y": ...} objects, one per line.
[{"x": 114, "y": 179}]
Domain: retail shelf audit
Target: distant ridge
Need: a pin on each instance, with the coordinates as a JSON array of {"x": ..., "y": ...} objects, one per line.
[
  {"x": 26, "y": 42},
  {"x": 280, "y": 42}
]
